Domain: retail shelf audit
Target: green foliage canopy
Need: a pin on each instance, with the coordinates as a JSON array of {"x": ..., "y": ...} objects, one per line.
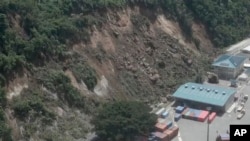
[
  {"x": 227, "y": 21},
  {"x": 123, "y": 120},
  {"x": 58, "y": 82}
]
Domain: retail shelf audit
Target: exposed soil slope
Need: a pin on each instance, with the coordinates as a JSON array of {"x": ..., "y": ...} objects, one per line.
[{"x": 136, "y": 55}]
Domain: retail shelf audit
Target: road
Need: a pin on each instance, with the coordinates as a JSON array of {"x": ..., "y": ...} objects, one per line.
[{"x": 235, "y": 48}]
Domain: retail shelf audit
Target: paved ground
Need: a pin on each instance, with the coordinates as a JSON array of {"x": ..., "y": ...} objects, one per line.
[
  {"x": 197, "y": 131},
  {"x": 244, "y": 54},
  {"x": 235, "y": 49}
]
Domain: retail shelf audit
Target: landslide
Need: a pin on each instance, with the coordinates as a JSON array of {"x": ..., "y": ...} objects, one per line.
[{"x": 61, "y": 60}]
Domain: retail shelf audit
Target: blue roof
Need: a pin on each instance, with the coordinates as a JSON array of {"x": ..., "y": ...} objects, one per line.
[
  {"x": 204, "y": 93},
  {"x": 229, "y": 61}
]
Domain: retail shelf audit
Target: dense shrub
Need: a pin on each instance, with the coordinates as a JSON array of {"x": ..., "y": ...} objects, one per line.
[
  {"x": 227, "y": 21},
  {"x": 59, "y": 83},
  {"x": 3, "y": 99},
  {"x": 130, "y": 117},
  {"x": 5, "y": 132},
  {"x": 85, "y": 73},
  {"x": 30, "y": 100}
]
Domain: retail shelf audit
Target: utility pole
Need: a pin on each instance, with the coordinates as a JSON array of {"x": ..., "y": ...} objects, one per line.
[{"x": 209, "y": 110}]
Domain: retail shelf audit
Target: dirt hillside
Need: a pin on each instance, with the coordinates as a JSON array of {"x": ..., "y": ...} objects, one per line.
[{"x": 136, "y": 55}]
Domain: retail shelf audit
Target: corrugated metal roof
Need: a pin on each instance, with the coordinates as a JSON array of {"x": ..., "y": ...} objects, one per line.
[
  {"x": 209, "y": 94},
  {"x": 228, "y": 61}
]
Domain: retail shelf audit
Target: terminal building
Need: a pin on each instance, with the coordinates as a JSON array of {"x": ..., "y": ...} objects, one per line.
[
  {"x": 202, "y": 96},
  {"x": 228, "y": 66}
]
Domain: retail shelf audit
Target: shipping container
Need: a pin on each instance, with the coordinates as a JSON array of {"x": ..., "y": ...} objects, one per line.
[
  {"x": 186, "y": 114},
  {"x": 159, "y": 112},
  {"x": 162, "y": 120},
  {"x": 185, "y": 111},
  {"x": 175, "y": 130},
  {"x": 169, "y": 134},
  {"x": 177, "y": 117},
  {"x": 161, "y": 136},
  {"x": 203, "y": 116},
  {"x": 164, "y": 114},
  {"x": 211, "y": 117},
  {"x": 169, "y": 124},
  {"x": 172, "y": 132},
  {"x": 197, "y": 114},
  {"x": 161, "y": 126},
  {"x": 179, "y": 109},
  {"x": 191, "y": 116}
]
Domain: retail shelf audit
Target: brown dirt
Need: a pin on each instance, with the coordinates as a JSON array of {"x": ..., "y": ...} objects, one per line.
[
  {"x": 199, "y": 33},
  {"x": 15, "y": 87},
  {"x": 12, "y": 122},
  {"x": 103, "y": 38},
  {"x": 173, "y": 29},
  {"x": 82, "y": 87},
  {"x": 72, "y": 78},
  {"x": 132, "y": 60},
  {"x": 130, "y": 45},
  {"x": 16, "y": 22},
  {"x": 122, "y": 22}
]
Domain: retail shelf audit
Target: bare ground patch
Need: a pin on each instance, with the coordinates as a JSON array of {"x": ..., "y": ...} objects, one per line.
[
  {"x": 172, "y": 28},
  {"x": 16, "y": 86},
  {"x": 199, "y": 33},
  {"x": 103, "y": 38}
]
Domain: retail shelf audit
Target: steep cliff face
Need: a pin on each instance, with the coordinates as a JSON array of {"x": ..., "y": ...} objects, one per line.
[
  {"x": 137, "y": 54},
  {"x": 142, "y": 55}
]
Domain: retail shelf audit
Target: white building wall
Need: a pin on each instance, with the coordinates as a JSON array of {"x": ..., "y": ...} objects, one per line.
[{"x": 229, "y": 73}]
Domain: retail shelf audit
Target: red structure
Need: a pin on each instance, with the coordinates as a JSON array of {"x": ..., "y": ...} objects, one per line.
[
  {"x": 203, "y": 116},
  {"x": 211, "y": 117}
]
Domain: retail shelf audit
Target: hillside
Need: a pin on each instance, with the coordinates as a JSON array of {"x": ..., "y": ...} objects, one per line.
[{"x": 61, "y": 60}]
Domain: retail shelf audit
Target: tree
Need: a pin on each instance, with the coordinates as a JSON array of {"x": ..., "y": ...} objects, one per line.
[
  {"x": 123, "y": 120},
  {"x": 3, "y": 99},
  {"x": 199, "y": 78}
]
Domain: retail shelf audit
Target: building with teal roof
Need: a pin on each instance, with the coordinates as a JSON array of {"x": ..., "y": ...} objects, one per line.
[
  {"x": 204, "y": 95},
  {"x": 228, "y": 66}
]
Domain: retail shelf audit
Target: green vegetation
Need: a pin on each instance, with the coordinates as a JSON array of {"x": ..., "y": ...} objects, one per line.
[
  {"x": 49, "y": 27},
  {"x": 3, "y": 99},
  {"x": 227, "y": 21},
  {"x": 123, "y": 120},
  {"x": 5, "y": 132},
  {"x": 34, "y": 32},
  {"x": 59, "y": 83},
  {"x": 85, "y": 73},
  {"x": 140, "y": 22},
  {"x": 31, "y": 104}
]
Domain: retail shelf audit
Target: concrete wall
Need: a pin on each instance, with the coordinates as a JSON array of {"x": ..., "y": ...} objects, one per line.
[
  {"x": 239, "y": 69},
  {"x": 229, "y": 103},
  {"x": 225, "y": 73},
  {"x": 228, "y": 73},
  {"x": 203, "y": 106}
]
